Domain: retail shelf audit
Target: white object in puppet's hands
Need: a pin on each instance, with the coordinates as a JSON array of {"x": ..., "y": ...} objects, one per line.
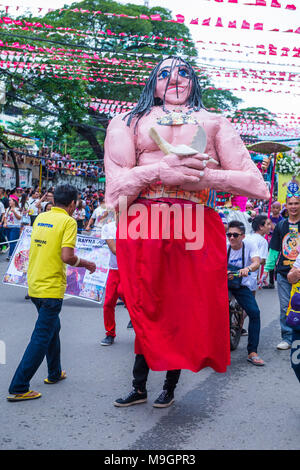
[{"x": 181, "y": 149}]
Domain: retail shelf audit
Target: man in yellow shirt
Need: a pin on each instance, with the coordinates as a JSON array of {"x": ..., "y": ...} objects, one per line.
[{"x": 52, "y": 246}]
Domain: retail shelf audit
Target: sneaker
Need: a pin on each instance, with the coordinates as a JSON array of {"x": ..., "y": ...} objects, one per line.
[
  {"x": 129, "y": 325},
  {"x": 269, "y": 286},
  {"x": 108, "y": 341},
  {"x": 283, "y": 345},
  {"x": 8, "y": 258},
  {"x": 133, "y": 398},
  {"x": 244, "y": 332},
  {"x": 5, "y": 249},
  {"x": 164, "y": 400}
]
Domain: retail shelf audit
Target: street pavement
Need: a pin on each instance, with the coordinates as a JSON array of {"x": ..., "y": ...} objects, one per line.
[{"x": 247, "y": 408}]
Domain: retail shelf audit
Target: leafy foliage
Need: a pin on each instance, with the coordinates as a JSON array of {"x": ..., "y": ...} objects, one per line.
[
  {"x": 255, "y": 115},
  {"x": 57, "y": 109}
]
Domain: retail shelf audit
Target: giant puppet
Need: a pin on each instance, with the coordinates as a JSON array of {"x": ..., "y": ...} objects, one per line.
[{"x": 176, "y": 297}]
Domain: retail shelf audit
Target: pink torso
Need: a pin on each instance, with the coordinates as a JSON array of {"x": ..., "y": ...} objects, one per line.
[
  {"x": 133, "y": 161},
  {"x": 148, "y": 153}
]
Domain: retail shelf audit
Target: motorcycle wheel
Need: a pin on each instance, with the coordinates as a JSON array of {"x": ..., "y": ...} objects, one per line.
[{"x": 235, "y": 327}]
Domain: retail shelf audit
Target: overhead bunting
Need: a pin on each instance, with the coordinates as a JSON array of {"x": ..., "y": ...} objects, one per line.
[
  {"x": 179, "y": 19},
  {"x": 244, "y": 25},
  {"x": 169, "y": 42},
  {"x": 117, "y": 69},
  {"x": 244, "y": 126},
  {"x": 79, "y": 74},
  {"x": 256, "y": 3}
]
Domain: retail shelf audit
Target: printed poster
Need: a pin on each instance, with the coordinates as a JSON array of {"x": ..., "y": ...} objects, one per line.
[{"x": 80, "y": 283}]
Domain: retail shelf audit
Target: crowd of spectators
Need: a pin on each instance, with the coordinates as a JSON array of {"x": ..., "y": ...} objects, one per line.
[
  {"x": 54, "y": 162},
  {"x": 20, "y": 206}
]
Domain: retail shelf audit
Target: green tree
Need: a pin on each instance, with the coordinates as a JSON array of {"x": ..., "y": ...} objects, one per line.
[
  {"x": 57, "y": 103},
  {"x": 10, "y": 144},
  {"x": 255, "y": 115}
]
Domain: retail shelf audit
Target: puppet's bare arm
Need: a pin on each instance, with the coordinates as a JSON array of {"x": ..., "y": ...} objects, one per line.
[
  {"x": 124, "y": 178},
  {"x": 238, "y": 174}
]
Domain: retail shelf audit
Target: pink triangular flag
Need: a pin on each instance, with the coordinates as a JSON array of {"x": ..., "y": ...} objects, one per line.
[
  {"x": 245, "y": 25},
  {"x": 206, "y": 22},
  {"x": 180, "y": 18},
  {"x": 275, "y": 4},
  {"x": 155, "y": 17},
  {"x": 259, "y": 26}
]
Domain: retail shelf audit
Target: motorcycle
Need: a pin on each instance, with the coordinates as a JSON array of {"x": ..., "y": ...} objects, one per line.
[{"x": 236, "y": 319}]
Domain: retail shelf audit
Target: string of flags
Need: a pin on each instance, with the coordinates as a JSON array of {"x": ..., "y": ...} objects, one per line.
[{"x": 76, "y": 64}]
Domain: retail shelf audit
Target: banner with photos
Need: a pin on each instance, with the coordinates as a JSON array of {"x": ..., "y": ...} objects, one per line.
[{"x": 80, "y": 283}]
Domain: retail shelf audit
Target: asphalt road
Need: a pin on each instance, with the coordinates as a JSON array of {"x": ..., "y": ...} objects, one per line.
[{"x": 246, "y": 408}]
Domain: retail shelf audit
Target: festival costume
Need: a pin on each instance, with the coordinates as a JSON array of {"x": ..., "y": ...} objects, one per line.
[
  {"x": 113, "y": 285},
  {"x": 112, "y": 293},
  {"x": 177, "y": 298}
]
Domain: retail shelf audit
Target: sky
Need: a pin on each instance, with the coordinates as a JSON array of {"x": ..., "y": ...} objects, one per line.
[{"x": 202, "y": 9}]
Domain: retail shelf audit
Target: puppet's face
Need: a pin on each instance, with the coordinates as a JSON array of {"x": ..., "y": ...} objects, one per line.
[{"x": 173, "y": 83}]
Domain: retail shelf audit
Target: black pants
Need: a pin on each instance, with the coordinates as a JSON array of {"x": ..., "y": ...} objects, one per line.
[
  {"x": 141, "y": 371},
  {"x": 2, "y": 237},
  {"x": 32, "y": 218},
  {"x": 272, "y": 277},
  {"x": 79, "y": 225}
]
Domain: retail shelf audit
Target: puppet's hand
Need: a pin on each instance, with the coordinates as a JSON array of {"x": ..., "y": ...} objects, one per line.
[{"x": 176, "y": 170}]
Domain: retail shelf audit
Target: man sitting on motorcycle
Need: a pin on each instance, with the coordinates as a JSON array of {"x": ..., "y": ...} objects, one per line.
[{"x": 243, "y": 258}]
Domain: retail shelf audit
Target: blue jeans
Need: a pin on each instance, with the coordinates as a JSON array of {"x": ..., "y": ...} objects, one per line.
[
  {"x": 247, "y": 301},
  {"x": 2, "y": 236},
  {"x": 295, "y": 353},
  {"x": 12, "y": 233},
  {"x": 44, "y": 342},
  {"x": 284, "y": 292}
]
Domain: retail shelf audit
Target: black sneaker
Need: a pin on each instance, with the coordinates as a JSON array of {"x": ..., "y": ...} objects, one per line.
[
  {"x": 107, "y": 341},
  {"x": 129, "y": 325},
  {"x": 244, "y": 332},
  {"x": 164, "y": 400},
  {"x": 134, "y": 398}
]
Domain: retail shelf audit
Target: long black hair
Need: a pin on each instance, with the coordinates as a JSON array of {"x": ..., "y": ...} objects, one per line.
[
  {"x": 259, "y": 221},
  {"x": 147, "y": 99}
]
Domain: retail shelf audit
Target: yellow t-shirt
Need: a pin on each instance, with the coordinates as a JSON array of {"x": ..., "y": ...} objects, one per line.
[{"x": 46, "y": 274}]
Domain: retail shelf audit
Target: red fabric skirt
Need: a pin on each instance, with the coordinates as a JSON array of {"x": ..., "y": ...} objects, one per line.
[{"x": 177, "y": 298}]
